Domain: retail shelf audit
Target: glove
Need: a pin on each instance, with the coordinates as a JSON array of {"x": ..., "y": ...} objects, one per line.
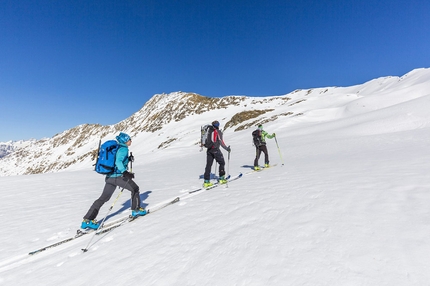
[
  {"x": 128, "y": 175},
  {"x": 273, "y": 135},
  {"x": 228, "y": 149}
]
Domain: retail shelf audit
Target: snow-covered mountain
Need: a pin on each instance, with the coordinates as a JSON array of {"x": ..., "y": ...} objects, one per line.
[
  {"x": 9, "y": 147},
  {"x": 6, "y": 149},
  {"x": 186, "y": 112},
  {"x": 347, "y": 203}
]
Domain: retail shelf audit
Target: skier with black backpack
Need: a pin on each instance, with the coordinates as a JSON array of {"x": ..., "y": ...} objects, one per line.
[
  {"x": 113, "y": 162},
  {"x": 212, "y": 139},
  {"x": 259, "y": 138}
]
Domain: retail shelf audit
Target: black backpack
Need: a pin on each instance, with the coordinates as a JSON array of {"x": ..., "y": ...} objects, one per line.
[
  {"x": 206, "y": 133},
  {"x": 256, "y": 138}
]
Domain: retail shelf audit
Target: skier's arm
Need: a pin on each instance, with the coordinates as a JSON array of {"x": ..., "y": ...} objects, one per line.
[
  {"x": 267, "y": 135},
  {"x": 223, "y": 145}
]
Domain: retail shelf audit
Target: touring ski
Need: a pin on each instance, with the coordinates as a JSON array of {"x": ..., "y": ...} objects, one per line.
[
  {"x": 108, "y": 226},
  {"x": 79, "y": 233},
  {"x": 216, "y": 184},
  {"x": 262, "y": 169},
  {"x": 131, "y": 219}
]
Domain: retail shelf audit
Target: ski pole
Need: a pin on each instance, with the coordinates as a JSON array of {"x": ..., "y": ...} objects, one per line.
[
  {"x": 228, "y": 166},
  {"x": 97, "y": 156},
  {"x": 228, "y": 162},
  {"x": 279, "y": 150},
  {"x": 111, "y": 207},
  {"x": 131, "y": 159},
  {"x": 103, "y": 221}
]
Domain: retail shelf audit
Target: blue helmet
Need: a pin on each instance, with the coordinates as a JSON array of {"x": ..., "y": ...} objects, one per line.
[{"x": 123, "y": 138}]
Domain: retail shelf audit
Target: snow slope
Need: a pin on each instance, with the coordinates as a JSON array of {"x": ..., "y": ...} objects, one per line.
[{"x": 348, "y": 207}]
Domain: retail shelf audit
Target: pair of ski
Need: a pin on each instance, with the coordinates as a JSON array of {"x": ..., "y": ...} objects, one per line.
[
  {"x": 262, "y": 169},
  {"x": 79, "y": 233},
  {"x": 122, "y": 221},
  {"x": 108, "y": 226},
  {"x": 105, "y": 228},
  {"x": 217, "y": 184}
]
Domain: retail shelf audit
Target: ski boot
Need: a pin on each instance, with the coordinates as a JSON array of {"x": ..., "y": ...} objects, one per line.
[
  {"x": 266, "y": 165},
  {"x": 256, "y": 168},
  {"x": 138, "y": 212},
  {"x": 207, "y": 184},
  {"x": 90, "y": 224},
  {"x": 222, "y": 180}
]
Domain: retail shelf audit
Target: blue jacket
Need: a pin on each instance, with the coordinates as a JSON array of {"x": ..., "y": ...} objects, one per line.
[{"x": 121, "y": 160}]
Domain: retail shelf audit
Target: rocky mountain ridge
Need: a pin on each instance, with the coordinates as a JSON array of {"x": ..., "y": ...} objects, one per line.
[{"x": 80, "y": 143}]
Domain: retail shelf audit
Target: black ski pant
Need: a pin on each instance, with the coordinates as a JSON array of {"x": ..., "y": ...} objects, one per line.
[
  {"x": 211, "y": 155},
  {"x": 258, "y": 151},
  {"x": 109, "y": 189}
]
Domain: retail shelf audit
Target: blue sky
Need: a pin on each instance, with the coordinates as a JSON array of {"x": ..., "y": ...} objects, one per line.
[{"x": 66, "y": 63}]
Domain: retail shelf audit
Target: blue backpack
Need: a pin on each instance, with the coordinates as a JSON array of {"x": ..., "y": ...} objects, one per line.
[{"x": 105, "y": 163}]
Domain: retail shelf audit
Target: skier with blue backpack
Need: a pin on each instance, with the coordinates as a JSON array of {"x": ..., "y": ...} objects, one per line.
[{"x": 116, "y": 176}]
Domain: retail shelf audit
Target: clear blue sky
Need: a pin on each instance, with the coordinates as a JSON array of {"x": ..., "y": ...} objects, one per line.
[{"x": 65, "y": 63}]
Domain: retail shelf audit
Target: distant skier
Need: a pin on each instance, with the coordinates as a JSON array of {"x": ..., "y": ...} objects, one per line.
[
  {"x": 119, "y": 178},
  {"x": 259, "y": 138},
  {"x": 215, "y": 140}
]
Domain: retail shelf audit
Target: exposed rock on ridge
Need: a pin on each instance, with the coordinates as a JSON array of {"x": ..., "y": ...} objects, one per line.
[{"x": 80, "y": 143}]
